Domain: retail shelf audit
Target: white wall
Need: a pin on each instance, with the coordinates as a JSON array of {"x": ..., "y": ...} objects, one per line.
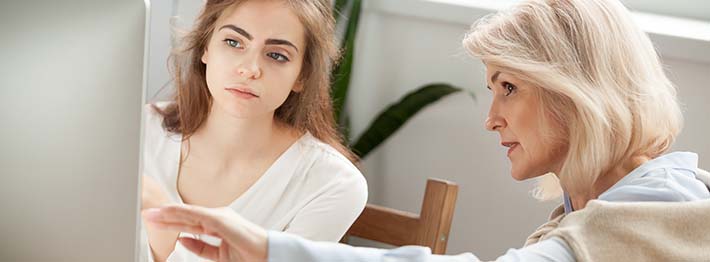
[
  {"x": 159, "y": 47},
  {"x": 166, "y": 18},
  {"x": 403, "y": 44},
  {"x": 693, "y": 81}
]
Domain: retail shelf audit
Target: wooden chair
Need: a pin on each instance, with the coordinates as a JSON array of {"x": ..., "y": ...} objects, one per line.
[{"x": 430, "y": 228}]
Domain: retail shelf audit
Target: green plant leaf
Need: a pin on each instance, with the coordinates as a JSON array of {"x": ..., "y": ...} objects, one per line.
[
  {"x": 342, "y": 72},
  {"x": 397, "y": 114}
]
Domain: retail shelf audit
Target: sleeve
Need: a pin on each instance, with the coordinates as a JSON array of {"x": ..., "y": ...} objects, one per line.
[
  {"x": 329, "y": 215},
  {"x": 285, "y": 247}
]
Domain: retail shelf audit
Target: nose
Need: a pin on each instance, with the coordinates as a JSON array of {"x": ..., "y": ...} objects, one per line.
[
  {"x": 494, "y": 121},
  {"x": 249, "y": 68}
]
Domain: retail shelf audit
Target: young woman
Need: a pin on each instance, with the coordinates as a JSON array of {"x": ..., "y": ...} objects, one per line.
[
  {"x": 578, "y": 91},
  {"x": 251, "y": 127}
]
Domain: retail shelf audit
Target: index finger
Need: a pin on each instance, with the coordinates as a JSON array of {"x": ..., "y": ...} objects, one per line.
[
  {"x": 184, "y": 217},
  {"x": 183, "y": 213}
]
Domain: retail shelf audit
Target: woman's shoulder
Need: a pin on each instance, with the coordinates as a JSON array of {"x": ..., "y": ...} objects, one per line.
[
  {"x": 326, "y": 154},
  {"x": 154, "y": 110},
  {"x": 328, "y": 163},
  {"x": 153, "y": 117},
  {"x": 151, "y": 111},
  {"x": 154, "y": 134},
  {"x": 670, "y": 177}
]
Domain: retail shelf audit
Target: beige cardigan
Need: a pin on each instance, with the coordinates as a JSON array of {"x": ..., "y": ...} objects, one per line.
[{"x": 634, "y": 231}]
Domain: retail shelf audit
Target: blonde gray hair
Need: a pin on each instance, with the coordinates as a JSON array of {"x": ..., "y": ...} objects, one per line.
[{"x": 598, "y": 74}]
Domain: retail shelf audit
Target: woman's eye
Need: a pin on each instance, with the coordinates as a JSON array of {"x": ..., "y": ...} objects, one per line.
[
  {"x": 278, "y": 57},
  {"x": 509, "y": 88},
  {"x": 233, "y": 43}
]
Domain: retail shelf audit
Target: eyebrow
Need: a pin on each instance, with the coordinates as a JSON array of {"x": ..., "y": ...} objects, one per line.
[
  {"x": 238, "y": 30},
  {"x": 494, "y": 77},
  {"x": 269, "y": 41},
  {"x": 280, "y": 42}
]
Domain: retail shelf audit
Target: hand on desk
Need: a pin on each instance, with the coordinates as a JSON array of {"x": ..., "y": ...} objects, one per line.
[{"x": 241, "y": 239}]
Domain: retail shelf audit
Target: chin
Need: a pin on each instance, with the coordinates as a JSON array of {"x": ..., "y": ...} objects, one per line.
[
  {"x": 516, "y": 175},
  {"x": 520, "y": 175},
  {"x": 234, "y": 109}
]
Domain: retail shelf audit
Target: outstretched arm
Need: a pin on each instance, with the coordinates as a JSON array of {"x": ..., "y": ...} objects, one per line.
[{"x": 245, "y": 241}]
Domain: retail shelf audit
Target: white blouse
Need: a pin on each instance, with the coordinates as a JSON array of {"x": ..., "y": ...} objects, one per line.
[{"x": 311, "y": 190}]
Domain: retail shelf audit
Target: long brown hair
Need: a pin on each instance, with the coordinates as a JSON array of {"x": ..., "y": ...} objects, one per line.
[{"x": 308, "y": 110}]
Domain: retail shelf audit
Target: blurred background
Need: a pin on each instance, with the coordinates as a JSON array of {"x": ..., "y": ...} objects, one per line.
[{"x": 404, "y": 44}]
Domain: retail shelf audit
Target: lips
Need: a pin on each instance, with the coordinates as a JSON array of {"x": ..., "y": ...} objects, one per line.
[
  {"x": 510, "y": 145},
  {"x": 242, "y": 91}
]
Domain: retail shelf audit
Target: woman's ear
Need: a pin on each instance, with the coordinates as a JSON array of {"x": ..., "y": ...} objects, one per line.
[{"x": 204, "y": 57}]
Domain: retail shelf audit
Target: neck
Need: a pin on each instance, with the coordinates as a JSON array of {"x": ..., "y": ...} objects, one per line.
[
  {"x": 228, "y": 137},
  {"x": 606, "y": 181}
]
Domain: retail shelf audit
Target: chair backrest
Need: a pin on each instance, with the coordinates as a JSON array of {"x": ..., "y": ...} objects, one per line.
[{"x": 430, "y": 228}]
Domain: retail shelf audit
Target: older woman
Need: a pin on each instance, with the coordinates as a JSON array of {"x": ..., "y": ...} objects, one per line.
[{"x": 579, "y": 92}]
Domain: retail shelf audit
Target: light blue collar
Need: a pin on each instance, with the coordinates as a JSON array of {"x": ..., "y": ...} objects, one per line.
[
  {"x": 676, "y": 160},
  {"x": 568, "y": 203}
]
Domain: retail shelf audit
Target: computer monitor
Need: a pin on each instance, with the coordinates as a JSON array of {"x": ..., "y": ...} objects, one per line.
[{"x": 71, "y": 93}]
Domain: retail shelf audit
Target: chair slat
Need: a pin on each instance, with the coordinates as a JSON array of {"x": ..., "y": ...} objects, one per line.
[{"x": 395, "y": 227}]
